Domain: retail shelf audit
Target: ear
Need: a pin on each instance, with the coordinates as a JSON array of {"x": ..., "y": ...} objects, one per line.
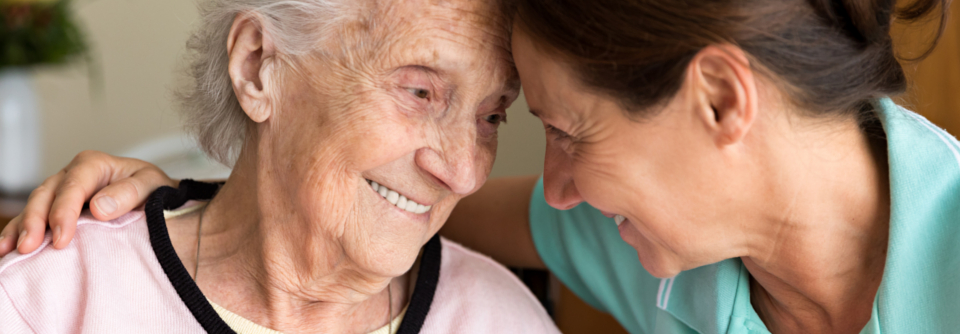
[
  {"x": 726, "y": 91},
  {"x": 251, "y": 52}
]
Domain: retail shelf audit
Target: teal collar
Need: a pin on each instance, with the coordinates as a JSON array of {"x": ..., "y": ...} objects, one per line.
[{"x": 712, "y": 299}]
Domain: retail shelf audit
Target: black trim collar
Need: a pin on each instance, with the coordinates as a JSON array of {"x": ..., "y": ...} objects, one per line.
[
  {"x": 423, "y": 291},
  {"x": 167, "y": 198}
]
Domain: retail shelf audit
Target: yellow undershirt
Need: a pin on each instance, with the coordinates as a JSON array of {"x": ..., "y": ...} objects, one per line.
[{"x": 243, "y": 326}]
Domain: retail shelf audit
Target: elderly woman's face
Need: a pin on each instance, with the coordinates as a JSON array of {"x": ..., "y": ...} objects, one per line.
[{"x": 413, "y": 104}]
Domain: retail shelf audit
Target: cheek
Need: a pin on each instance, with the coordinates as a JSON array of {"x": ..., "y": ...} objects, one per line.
[
  {"x": 602, "y": 176},
  {"x": 363, "y": 129},
  {"x": 635, "y": 177},
  {"x": 678, "y": 175},
  {"x": 381, "y": 137},
  {"x": 486, "y": 156}
]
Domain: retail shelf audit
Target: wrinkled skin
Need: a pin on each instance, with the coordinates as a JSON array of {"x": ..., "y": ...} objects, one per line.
[
  {"x": 363, "y": 115},
  {"x": 410, "y": 97},
  {"x": 407, "y": 94}
]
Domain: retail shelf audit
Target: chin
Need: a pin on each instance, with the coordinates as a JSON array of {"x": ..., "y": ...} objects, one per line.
[
  {"x": 661, "y": 273},
  {"x": 387, "y": 262},
  {"x": 659, "y": 268}
]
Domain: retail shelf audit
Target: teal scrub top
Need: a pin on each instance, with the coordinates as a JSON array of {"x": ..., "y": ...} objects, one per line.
[{"x": 919, "y": 293}]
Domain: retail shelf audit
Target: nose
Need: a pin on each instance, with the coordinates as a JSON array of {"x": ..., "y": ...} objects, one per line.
[
  {"x": 559, "y": 188},
  {"x": 453, "y": 160}
]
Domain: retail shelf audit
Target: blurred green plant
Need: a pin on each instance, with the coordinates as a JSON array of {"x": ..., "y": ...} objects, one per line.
[{"x": 34, "y": 32}]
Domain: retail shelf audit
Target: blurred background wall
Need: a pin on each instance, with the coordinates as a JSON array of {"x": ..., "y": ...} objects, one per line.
[
  {"x": 138, "y": 44},
  {"x": 935, "y": 81}
]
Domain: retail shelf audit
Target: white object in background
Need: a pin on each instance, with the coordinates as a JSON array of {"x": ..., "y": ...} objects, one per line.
[
  {"x": 179, "y": 156},
  {"x": 19, "y": 132}
]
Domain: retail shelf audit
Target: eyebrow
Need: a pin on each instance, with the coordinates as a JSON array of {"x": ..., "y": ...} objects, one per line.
[
  {"x": 514, "y": 86},
  {"x": 425, "y": 68},
  {"x": 534, "y": 112}
]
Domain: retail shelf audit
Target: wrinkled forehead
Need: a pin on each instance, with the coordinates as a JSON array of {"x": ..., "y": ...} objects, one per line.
[
  {"x": 482, "y": 21},
  {"x": 446, "y": 34}
]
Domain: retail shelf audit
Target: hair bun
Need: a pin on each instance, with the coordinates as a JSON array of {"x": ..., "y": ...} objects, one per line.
[{"x": 867, "y": 21}]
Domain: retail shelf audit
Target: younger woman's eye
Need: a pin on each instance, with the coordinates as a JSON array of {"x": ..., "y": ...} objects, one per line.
[
  {"x": 558, "y": 132},
  {"x": 419, "y": 92}
]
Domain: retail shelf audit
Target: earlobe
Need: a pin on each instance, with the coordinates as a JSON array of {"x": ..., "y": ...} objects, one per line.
[
  {"x": 727, "y": 91},
  {"x": 253, "y": 98},
  {"x": 251, "y": 53}
]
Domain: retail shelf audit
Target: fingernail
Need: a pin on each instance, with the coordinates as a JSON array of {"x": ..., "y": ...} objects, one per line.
[
  {"x": 106, "y": 204},
  {"x": 23, "y": 236},
  {"x": 56, "y": 235}
]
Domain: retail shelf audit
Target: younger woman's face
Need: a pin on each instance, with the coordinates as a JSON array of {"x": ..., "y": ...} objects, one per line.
[{"x": 661, "y": 172}]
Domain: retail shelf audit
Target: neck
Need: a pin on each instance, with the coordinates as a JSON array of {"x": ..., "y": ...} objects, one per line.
[
  {"x": 818, "y": 261},
  {"x": 263, "y": 261}
]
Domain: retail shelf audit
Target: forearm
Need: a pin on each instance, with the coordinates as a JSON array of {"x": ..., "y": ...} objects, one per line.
[{"x": 495, "y": 221}]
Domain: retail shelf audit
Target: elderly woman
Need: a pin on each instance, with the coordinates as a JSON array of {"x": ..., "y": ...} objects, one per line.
[
  {"x": 745, "y": 169},
  {"x": 356, "y": 127}
]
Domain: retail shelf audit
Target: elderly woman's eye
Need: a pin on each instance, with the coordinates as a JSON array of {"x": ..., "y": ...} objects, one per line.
[
  {"x": 495, "y": 119},
  {"x": 419, "y": 92}
]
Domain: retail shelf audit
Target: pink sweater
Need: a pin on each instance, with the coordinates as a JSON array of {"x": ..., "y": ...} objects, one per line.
[{"x": 109, "y": 280}]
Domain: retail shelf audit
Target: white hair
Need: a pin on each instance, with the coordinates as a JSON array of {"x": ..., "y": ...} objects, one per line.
[{"x": 210, "y": 107}]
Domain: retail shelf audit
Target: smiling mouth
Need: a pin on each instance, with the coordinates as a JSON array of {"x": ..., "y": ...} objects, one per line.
[
  {"x": 398, "y": 200},
  {"x": 619, "y": 219}
]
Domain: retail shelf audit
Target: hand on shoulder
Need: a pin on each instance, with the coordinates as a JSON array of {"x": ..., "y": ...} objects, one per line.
[{"x": 112, "y": 185}]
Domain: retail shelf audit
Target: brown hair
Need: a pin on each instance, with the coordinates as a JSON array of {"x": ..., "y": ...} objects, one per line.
[{"x": 833, "y": 55}]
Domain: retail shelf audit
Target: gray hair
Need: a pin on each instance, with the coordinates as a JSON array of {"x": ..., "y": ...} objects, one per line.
[{"x": 210, "y": 107}]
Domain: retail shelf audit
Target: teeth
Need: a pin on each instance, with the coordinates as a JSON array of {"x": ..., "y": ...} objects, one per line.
[
  {"x": 619, "y": 219},
  {"x": 398, "y": 200}
]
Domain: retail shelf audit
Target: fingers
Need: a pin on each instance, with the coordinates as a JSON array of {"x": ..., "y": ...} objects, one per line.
[
  {"x": 126, "y": 194},
  {"x": 31, "y": 224},
  {"x": 86, "y": 174},
  {"x": 9, "y": 236},
  {"x": 117, "y": 185}
]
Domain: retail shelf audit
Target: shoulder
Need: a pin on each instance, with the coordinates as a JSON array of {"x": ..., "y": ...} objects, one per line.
[
  {"x": 911, "y": 136},
  {"x": 49, "y": 288},
  {"x": 468, "y": 269},
  {"x": 91, "y": 234},
  {"x": 924, "y": 168},
  {"x": 922, "y": 266},
  {"x": 477, "y": 294},
  {"x": 96, "y": 243}
]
